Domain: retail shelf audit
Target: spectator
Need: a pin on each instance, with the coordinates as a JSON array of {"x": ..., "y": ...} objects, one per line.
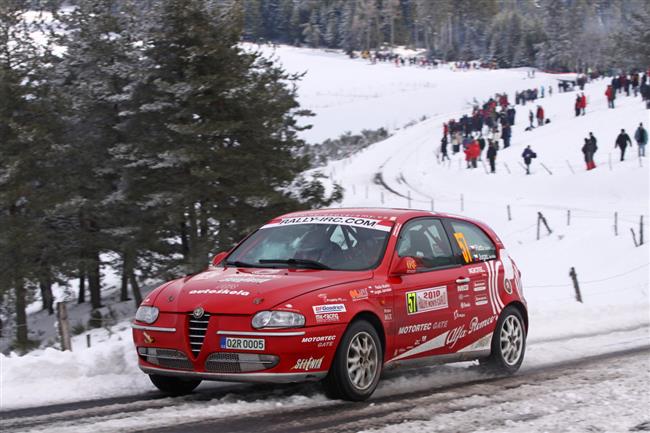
[
  {"x": 540, "y": 115},
  {"x": 578, "y": 105},
  {"x": 589, "y": 149},
  {"x": 506, "y": 133},
  {"x": 492, "y": 155},
  {"x": 622, "y": 142},
  {"x": 528, "y": 156},
  {"x": 530, "y": 118},
  {"x": 611, "y": 95},
  {"x": 641, "y": 137},
  {"x": 443, "y": 148},
  {"x": 583, "y": 103}
]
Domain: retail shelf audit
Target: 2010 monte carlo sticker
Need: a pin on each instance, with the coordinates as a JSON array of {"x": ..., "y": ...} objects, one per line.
[
  {"x": 369, "y": 223},
  {"x": 423, "y": 300}
]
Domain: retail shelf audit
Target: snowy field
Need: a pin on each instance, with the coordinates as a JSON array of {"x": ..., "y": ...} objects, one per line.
[{"x": 350, "y": 95}]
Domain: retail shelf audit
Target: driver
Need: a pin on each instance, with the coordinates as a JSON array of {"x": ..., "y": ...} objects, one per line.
[{"x": 316, "y": 245}]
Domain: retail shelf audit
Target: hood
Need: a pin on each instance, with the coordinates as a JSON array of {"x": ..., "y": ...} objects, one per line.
[{"x": 238, "y": 291}]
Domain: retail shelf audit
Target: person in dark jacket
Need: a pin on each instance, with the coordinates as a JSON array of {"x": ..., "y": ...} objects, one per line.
[
  {"x": 528, "y": 156},
  {"x": 443, "y": 148},
  {"x": 641, "y": 137},
  {"x": 577, "y": 105},
  {"x": 492, "y": 155},
  {"x": 589, "y": 149},
  {"x": 622, "y": 142}
]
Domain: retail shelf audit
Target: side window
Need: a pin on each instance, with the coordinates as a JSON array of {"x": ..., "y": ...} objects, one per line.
[
  {"x": 425, "y": 240},
  {"x": 475, "y": 245}
]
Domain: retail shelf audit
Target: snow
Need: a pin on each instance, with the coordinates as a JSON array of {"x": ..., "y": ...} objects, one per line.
[{"x": 350, "y": 95}]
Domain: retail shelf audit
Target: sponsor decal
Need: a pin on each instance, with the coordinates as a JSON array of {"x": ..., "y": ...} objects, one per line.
[
  {"x": 249, "y": 279},
  {"x": 458, "y": 315},
  {"x": 242, "y": 343},
  {"x": 358, "y": 294},
  {"x": 329, "y": 308},
  {"x": 324, "y": 298},
  {"x": 462, "y": 287},
  {"x": 481, "y": 300},
  {"x": 461, "y": 331},
  {"x": 479, "y": 286},
  {"x": 476, "y": 270},
  {"x": 388, "y": 314},
  {"x": 321, "y": 341},
  {"x": 219, "y": 292},
  {"x": 325, "y": 318},
  {"x": 462, "y": 243},
  {"x": 318, "y": 339},
  {"x": 463, "y": 296},
  {"x": 411, "y": 265},
  {"x": 431, "y": 299},
  {"x": 465, "y": 305},
  {"x": 308, "y": 363},
  {"x": 480, "y": 344},
  {"x": 148, "y": 338},
  {"x": 422, "y": 327},
  {"x": 380, "y": 289},
  {"x": 369, "y": 223}
]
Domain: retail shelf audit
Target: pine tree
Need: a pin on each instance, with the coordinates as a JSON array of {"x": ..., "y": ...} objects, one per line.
[{"x": 30, "y": 165}]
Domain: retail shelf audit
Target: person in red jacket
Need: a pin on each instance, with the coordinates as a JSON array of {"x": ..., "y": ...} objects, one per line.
[
  {"x": 583, "y": 103},
  {"x": 610, "y": 96},
  {"x": 540, "y": 115},
  {"x": 472, "y": 153}
]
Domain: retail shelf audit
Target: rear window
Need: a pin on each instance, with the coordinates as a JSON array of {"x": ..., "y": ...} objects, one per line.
[{"x": 475, "y": 245}]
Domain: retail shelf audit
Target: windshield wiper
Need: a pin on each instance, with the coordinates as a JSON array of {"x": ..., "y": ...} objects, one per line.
[
  {"x": 297, "y": 262},
  {"x": 242, "y": 264}
]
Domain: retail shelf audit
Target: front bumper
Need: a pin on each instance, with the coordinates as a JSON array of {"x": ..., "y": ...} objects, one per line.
[
  {"x": 238, "y": 377},
  {"x": 292, "y": 355}
]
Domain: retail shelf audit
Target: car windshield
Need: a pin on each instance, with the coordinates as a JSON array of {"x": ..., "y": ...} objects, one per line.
[{"x": 313, "y": 246}]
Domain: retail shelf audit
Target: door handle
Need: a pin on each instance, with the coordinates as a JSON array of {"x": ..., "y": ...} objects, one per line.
[{"x": 462, "y": 280}]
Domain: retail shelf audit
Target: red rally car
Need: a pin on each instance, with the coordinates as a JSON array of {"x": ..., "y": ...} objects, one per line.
[{"x": 338, "y": 295}]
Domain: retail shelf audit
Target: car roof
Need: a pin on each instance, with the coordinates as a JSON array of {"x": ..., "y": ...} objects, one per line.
[{"x": 392, "y": 214}]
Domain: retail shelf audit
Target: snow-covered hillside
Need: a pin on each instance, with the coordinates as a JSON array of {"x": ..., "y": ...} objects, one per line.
[{"x": 352, "y": 95}]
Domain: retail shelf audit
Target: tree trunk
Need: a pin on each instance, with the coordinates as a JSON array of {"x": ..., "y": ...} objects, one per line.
[
  {"x": 81, "y": 298},
  {"x": 21, "y": 314},
  {"x": 185, "y": 243},
  {"x": 135, "y": 287},
  {"x": 45, "y": 284},
  {"x": 94, "y": 280},
  {"x": 124, "y": 288}
]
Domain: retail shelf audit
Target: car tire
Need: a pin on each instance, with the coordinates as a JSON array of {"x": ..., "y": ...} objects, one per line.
[
  {"x": 508, "y": 344},
  {"x": 174, "y": 386},
  {"x": 356, "y": 368}
]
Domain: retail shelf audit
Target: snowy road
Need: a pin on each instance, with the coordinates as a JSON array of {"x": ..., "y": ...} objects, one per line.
[{"x": 581, "y": 383}]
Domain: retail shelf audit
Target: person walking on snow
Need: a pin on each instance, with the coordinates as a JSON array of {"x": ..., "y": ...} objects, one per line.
[
  {"x": 443, "y": 148},
  {"x": 641, "y": 137},
  {"x": 530, "y": 118},
  {"x": 583, "y": 103},
  {"x": 589, "y": 149},
  {"x": 611, "y": 95},
  {"x": 621, "y": 142},
  {"x": 578, "y": 105},
  {"x": 492, "y": 155},
  {"x": 540, "y": 115},
  {"x": 528, "y": 156}
]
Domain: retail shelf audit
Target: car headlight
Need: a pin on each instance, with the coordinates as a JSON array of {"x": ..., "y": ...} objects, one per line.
[
  {"x": 278, "y": 319},
  {"x": 146, "y": 314}
]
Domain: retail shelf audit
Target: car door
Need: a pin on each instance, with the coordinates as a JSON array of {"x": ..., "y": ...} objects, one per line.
[
  {"x": 425, "y": 299},
  {"x": 480, "y": 303}
]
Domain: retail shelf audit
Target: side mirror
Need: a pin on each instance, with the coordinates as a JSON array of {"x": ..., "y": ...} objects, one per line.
[
  {"x": 403, "y": 266},
  {"x": 219, "y": 257}
]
